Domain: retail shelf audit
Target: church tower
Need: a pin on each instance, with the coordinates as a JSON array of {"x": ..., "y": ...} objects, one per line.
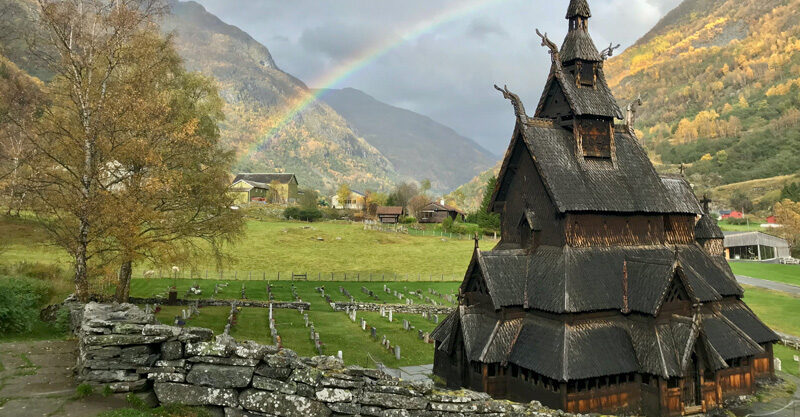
[{"x": 607, "y": 292}]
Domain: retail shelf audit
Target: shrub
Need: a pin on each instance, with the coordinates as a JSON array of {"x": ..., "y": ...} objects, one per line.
[
  {"x": 309, "y": 214},
  {"x": 84, "y": 390},
  {"x": 408, "y": 220},
  {"x": 292, "y": 213},
  {"x": 20, "y": 299}
]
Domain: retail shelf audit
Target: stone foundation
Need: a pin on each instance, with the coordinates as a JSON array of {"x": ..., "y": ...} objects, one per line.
[{"x": 125, "y": 349}]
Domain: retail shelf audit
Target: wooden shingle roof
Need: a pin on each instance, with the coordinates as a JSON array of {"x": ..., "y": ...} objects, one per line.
[
  {"x": 265, "y": 178},
  {"x": 631, "y": 185},
  {"x": 578, "y": 8}
]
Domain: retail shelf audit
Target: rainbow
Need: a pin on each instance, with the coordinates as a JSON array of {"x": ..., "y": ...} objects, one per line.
[{"x": 369, "y": 55}]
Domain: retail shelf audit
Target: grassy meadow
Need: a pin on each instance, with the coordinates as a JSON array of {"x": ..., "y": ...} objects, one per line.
[
  {"x": 787, "y": 274},
  {"x": 778, "y": 310}
]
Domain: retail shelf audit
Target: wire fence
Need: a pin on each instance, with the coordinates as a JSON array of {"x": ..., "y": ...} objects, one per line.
[{"x": 235, "y": 275}]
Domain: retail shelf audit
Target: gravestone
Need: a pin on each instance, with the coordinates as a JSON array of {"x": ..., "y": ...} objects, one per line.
[
  {"x": 270, "y": 311},
  {"x": 363, "y": 324},
  {"x": 305, "y": 318},
  {"x": 373, "y": 333},
  {"x": 397, "y": 352},
  {"x": 390, "y": 316},
  {"x": 436, "y": 318},
  {"x": 426, "y": 338},
  {"x": 778, "y": 364},
  {"x": 420, "y": 335}
]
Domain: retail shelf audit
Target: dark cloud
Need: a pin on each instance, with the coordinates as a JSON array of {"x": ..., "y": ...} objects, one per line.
[
  {"x": 481, "y": 28},
  {"x": 445, "y": 70}
]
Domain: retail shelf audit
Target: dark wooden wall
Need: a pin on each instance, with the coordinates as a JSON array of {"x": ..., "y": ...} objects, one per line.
[
  {"x": 530, "y": 194},
  {"x": 592, "y": 229}
]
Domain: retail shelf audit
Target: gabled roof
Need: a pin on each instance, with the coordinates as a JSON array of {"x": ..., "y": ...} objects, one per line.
[
  {"x": 389, "y": 211},
  {"x": 584, "y": 101},
  {"x": 574, "y": 280},
  {"x": 252, "y": 184},
  {"x": 753, "y": 238},
  {"x": 565, "y": 351},
  {"x": 437, "y": 205},
  {"x": 265, "y": 178},
  {"x": 681, "y": 194},
  {"x": 630, "y": 185}
]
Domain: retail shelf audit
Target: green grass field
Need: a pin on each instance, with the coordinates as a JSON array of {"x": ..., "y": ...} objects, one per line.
[
  {"x": 754, "y": 226},
  {"x": 788, "y": 274},
  {"x": 778, "y": 310},
  {"x": 786, "y": 355},
  {"x": 272, "y": 247}
]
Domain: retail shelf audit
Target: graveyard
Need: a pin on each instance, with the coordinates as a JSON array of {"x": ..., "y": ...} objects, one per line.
[{"x": 365, "y": 338}]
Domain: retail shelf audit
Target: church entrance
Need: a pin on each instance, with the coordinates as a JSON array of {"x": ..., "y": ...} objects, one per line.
[{"x": 692, "y": 393}]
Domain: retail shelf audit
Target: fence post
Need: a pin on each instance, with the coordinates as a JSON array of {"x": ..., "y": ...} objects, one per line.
[
  {"x": 279, "y": 275},
  {"x": 358, "y": 277},
  {"x": 235, "y": 275}
]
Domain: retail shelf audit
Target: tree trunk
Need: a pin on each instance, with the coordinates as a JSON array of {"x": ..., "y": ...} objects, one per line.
[
  {"x": 124, "y": 284},
  {"x": 81, "y": 279}
]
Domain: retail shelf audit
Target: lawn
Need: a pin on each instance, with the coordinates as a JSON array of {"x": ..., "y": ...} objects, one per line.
[
  {"x": 269, "y": 248},
  {"x": 754, "y": 226},
  {"x": 786, "y": 355},
  {"x": 788, "y": 274},
  {"x": 778, "y": 310}
]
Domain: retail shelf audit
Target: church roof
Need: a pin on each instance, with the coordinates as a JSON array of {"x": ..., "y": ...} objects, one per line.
[
  {"x": 578, "y": 8},
  {"x": 631, "y": 185},
  {"x": 586, "y": 101},
  {"x": 579, "y": 45},
  {"x": 707, "y": 228},
  {"x": 575, "y": 280},
  {"x": 570, "y": 351}
]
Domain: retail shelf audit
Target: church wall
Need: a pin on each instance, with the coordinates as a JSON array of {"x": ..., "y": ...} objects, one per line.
[
  {"x": 530, "y": 193},
  {"x": 592, "y": 229}
]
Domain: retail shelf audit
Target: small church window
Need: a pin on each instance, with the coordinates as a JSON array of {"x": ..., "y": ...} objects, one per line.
[{"x": 587, "y": 75}]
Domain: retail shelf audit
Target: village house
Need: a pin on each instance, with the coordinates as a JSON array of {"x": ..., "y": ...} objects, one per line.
[
  {"x": 608, "y": 291},
  {"x": 249, "y": 191},
  {"x": 355, "y": 201},
  {"x": 389, "y": 214},
  {"x": 436, "y": 212},
  {"x": 276, "y": 187}
]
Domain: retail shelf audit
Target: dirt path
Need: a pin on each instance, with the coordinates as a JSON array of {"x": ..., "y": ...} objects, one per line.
[{"x": 36, "y": 380}]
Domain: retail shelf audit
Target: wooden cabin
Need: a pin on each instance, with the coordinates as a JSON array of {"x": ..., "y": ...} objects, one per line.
[
  {"x": 608, "y": 291},
  {"x": 436, "y": 212},
  {"x": 389, "y": 214}
]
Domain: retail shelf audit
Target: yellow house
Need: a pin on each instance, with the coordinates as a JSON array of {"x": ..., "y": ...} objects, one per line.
[
  {"x": 355, "y": 201},
  {"x": 279, "y": 188},
  {"x": 246, "y": 191}
]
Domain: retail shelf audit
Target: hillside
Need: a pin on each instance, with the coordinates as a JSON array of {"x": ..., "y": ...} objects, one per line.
[
  {"x": 417, "y": 146},
  {"x": 316, "y": 143},
  {"x": 719, "y": 81},
  {"x": 468, "y": 196}
]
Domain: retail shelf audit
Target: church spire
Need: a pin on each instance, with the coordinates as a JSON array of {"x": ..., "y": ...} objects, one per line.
[{"x": 578, "y": 8}]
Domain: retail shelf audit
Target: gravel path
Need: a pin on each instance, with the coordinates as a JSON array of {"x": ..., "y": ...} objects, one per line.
[
  {"x": 770, "y": 285},
  {"x": 36, "y": 381}
]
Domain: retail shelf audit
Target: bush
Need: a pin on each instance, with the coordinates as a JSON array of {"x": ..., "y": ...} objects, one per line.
[
  {"x": 20, "y": 299},
  {"x": 306, "y": 214},
  {"x": 408, "y": 220}
]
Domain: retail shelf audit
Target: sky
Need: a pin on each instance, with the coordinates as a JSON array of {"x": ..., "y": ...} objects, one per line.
[{"x": 439, "y": 58}]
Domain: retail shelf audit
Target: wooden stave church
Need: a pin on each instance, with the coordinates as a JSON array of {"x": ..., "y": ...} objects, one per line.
[{"x": 608, "y": 291}]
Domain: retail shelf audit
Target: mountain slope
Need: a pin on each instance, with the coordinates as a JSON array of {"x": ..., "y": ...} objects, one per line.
[
  {"x": 417, "y": 146},
  {"x": 720, "y": 81},
  {"x": 316, "y": 143}
]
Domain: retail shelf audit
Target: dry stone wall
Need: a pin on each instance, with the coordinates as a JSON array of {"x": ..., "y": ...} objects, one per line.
[{"x": 124, "y": 348}]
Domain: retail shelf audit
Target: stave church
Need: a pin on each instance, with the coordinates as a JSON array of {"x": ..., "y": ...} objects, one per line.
[{"x": 608, "y": 291}]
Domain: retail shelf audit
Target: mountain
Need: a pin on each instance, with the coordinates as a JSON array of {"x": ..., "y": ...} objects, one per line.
[
  {"x": 417, "y": 146},
  {"x": 316, "y": 143},
  {"x": 468, "y": 196},
  {"x": 720, "y": 83}
]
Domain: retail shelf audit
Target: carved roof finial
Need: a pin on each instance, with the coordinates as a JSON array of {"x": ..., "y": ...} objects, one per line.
[
  {"x": 609, "y": 52},
  {"x": 630, "y": 112},
  {"x": 554, "y": 52},
  {"x": 519, "y": 108}
]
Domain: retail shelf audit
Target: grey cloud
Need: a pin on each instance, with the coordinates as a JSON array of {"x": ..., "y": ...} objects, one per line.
[{"x": 447, "y": 72}]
